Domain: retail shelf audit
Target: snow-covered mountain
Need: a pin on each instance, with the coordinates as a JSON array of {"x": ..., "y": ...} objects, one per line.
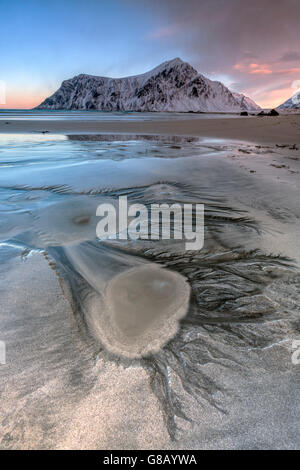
[
  {"x": 172, "y": 86},
  {"x": 246, "y": 102},
  {"x": 292, "y": 103}
]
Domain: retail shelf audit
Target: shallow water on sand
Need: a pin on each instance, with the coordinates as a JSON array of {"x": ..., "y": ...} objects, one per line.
[
  {"x": 31, "y": 114},
  {"x": 199, "y": 323}
]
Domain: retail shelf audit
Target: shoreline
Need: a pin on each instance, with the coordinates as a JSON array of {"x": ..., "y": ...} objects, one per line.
[{"x": 284, "y": 129}]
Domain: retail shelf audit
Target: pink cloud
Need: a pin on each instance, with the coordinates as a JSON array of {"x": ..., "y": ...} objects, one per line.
[{"x": 263, "y": 69}]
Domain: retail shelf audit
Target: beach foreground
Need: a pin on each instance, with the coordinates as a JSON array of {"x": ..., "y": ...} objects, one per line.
[{"x": 222, "y": 376}]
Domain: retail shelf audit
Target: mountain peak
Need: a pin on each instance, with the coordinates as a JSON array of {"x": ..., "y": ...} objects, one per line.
[
  {"x": 176, "y": 61},
  {"x": 164, "y": 65}
]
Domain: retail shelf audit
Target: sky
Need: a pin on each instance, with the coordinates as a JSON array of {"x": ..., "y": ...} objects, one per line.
[{"x": 251, "y": 46}]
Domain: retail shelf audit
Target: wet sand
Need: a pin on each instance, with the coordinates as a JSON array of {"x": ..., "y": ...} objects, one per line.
[
  {"x": 283, "y": 129},
  {"x": 58, "y": 392},
  {"x": 226, "y": 379}
]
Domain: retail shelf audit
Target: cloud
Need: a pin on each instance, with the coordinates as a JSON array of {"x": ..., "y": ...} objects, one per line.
[
  {"x": 291, "y": 56},
  {"x": 253, "y": 68},
  {"x": 242, "y": 40},
  {"x": 249, "y": 55}
]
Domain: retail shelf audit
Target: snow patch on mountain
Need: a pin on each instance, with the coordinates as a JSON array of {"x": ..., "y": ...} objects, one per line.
[{"x": 246, "y": 102}]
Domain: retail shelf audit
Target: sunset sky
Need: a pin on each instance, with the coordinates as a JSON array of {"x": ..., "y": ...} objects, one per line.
[{"x": 251, "y": 46}]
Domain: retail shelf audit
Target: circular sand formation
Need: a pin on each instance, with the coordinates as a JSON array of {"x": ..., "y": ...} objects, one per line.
[
  {"x": 144, "y": 306},
  {"x": 70, "y": 221}
]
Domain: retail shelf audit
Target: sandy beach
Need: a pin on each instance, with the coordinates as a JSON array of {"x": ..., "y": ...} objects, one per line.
[
  {"x": 223, "y": 376},
  {"x": 283, "y": 129}
]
